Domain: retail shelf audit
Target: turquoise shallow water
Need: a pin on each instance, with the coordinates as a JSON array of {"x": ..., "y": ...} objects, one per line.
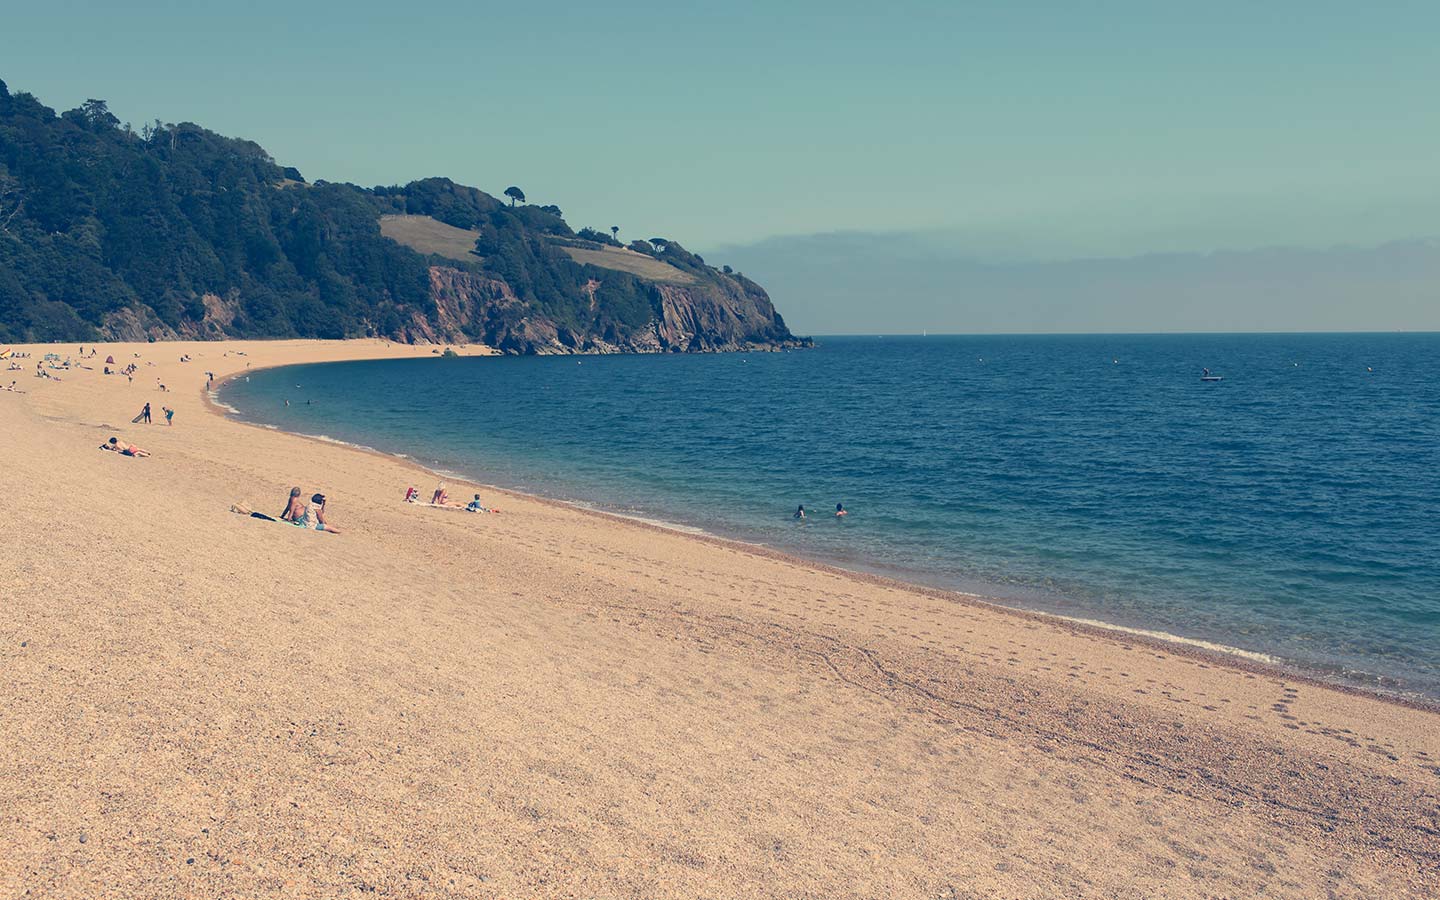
[{"x": 1292, "y": 509}]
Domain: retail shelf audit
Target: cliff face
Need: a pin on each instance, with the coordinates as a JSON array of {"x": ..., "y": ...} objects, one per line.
[
  {"x": 729, "y": 314},
  {"x": 471, "y": 307}
]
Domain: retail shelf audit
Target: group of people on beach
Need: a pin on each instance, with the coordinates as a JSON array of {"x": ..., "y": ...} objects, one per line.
[
  {"x": 144, "y": 416},
  {"x": 307, "y": 515},
  {"x": 297, "y": 512},
  {"x": 840, "y": 511},
  {"x": 441, "y": 497}
]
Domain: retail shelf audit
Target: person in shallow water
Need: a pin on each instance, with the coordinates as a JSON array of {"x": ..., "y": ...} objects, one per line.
[
  {"x": 800, "y": 511},
  {"x": 840, "y": 510}
]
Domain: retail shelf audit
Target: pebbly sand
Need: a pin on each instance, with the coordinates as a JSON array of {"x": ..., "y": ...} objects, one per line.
[{"x": 549, "y": 702}]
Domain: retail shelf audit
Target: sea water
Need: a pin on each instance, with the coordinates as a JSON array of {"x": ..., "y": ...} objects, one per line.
[{"x": 1290, "y": 510}]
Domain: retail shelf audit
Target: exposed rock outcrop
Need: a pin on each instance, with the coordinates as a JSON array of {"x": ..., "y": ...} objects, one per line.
[{"x": 731, "y": 314}]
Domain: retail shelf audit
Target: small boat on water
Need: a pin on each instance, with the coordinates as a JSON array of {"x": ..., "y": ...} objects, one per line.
[{"x": 1206, "y": 376}]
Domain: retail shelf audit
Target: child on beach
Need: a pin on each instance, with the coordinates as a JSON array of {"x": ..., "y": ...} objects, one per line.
[
  {"x": 475, "y": 506},
  {"x": 411, "y": 494}
]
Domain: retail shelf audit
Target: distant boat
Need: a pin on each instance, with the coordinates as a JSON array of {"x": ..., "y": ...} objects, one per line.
[{"x": 1206, "y": 376}]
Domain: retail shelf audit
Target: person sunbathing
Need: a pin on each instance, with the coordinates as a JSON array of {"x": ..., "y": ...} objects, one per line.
[
  {"x": 294, "y": 506},
  {"x": 313, "y": 516},
  {"x": 127, "y": 450},
  {"x": 440, "y": 497}
]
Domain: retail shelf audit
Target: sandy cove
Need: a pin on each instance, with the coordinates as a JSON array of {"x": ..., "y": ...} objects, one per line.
[{"x": 554, "y": 703}]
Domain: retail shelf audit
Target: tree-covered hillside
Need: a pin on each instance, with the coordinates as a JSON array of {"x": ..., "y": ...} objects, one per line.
[{"x": 175, "y": 231}]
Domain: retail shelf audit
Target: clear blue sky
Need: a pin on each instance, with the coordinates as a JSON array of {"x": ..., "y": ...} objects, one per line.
[
  {"x": 1044, "y": 130},
  {"x": 1232, "y": 124}
]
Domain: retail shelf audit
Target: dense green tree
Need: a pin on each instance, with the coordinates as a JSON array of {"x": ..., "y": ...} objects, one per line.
[{"x": 176, "y": 230}]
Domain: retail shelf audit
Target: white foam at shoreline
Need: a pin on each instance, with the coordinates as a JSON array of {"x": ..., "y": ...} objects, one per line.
[
  {"x": 215, "y": 399},
  {"x": 658, "y": 523},
  {"x": 1166, "y": 636}
]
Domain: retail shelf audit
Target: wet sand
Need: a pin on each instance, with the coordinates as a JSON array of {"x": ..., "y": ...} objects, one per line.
[{"x": 548, "y": 702}]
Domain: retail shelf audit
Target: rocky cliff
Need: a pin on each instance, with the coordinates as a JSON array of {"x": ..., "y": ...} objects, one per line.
[{"x": 689, "y": 318}]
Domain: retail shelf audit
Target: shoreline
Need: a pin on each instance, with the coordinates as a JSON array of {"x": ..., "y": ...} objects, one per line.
[
  {"x": 562, "y": 702},
  {"x": 1254, "y": 661}
]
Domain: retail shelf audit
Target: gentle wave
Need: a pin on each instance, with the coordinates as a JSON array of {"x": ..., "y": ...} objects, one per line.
[{"x": 1177, "y": 639}]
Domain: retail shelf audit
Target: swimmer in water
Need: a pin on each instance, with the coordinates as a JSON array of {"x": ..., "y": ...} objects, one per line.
[
  {"x": 800, "y": 512},
  {"x": 840, "y": 510}
]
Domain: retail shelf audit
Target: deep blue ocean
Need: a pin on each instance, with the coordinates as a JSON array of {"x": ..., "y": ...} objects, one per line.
[{"x": 1292, "y": 509}]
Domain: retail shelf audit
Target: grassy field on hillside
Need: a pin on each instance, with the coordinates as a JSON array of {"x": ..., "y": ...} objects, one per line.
[
  {"x": 428, "y": 235},
  {"x": 629, "y": 261}
]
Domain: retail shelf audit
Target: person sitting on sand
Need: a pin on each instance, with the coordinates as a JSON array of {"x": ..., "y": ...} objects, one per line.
[
  {"x": 475, "y": 506},
  {"x": 293, "y": 506},
  {"x": 840, "y": 510},
  {"x": 440, "y": 497},
  {"x": 127, "y": 450},
  {"x": 313, "y": 515},
  {"x": 412, "y": 495},
  {"x": 800, "y": 511}
]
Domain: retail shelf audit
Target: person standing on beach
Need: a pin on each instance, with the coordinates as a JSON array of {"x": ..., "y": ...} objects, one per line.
[
  {"x": 145, "y": 414},
  {"x": 169, "y": 415}
]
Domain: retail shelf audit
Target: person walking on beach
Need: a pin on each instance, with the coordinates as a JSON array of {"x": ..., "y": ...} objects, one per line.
[
  {"x": 145, "y": 414},
  {"x": 169, "y": 415}
]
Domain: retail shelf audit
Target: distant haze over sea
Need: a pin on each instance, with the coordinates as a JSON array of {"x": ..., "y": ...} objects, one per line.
[{"x": 908, "y": 283}]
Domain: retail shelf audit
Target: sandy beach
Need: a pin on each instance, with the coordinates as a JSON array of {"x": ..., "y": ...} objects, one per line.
[{"x": 550, "y": 702}]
